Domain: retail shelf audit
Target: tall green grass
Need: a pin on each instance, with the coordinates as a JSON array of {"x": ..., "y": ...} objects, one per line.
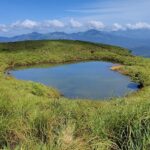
[{"x": 33, "y": 116}]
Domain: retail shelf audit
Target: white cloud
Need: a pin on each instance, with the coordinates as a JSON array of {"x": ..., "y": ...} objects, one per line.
[
  {"x": 3, "y": 28},
  {"x": 70, "y": 25},
  {"x": 136, "y": 26},
  {"x": 117, "y": 26},
  {"x": 27, "y": 24},
  {"x": 96, "y": 24},
  {"x": 75, "y": 23},
  {"x": 139, "y": 25},
  {"x": 54, "y": 24}
]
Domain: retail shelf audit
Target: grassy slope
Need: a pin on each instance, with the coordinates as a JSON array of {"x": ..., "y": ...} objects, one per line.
[{"x": 33, "y": 116}]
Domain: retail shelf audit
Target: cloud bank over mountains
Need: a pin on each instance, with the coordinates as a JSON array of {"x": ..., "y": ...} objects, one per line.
[{"x": 72, "y": 24}]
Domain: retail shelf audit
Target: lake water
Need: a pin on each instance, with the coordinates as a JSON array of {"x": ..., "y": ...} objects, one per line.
[{"x": 86, "y": 80}]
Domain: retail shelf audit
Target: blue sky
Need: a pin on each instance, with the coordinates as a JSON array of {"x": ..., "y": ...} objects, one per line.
[{"x": 23, "y": 16}]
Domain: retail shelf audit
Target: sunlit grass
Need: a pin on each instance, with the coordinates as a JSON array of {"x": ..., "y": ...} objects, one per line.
[{"x": 33, "y": 116}]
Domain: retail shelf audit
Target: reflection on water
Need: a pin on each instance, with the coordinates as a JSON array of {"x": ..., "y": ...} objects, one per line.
[{"x": 87, "y": 80}]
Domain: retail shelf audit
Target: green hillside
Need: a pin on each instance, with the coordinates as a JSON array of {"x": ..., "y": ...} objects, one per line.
[{"x": 33, "y": 116}]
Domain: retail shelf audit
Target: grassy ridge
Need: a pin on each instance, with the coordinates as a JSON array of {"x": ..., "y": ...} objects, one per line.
[{"x": 33, "y": 116}]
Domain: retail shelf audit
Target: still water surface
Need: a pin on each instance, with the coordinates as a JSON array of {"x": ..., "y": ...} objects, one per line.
[{"x": 87, "y": 80}]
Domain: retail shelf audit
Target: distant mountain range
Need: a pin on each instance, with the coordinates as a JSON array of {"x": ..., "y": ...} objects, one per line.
[{"x": 136, "y": 40}]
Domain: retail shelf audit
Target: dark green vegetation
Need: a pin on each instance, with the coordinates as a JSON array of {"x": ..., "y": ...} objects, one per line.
[{"x": 33, "y": 116}]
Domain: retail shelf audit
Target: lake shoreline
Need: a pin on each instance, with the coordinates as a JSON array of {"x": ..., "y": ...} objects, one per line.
[{"x": 82, "y": 68}]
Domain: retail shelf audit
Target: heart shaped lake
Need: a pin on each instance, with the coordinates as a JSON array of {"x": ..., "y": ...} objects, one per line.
[{"x": 85, "y": 80}]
